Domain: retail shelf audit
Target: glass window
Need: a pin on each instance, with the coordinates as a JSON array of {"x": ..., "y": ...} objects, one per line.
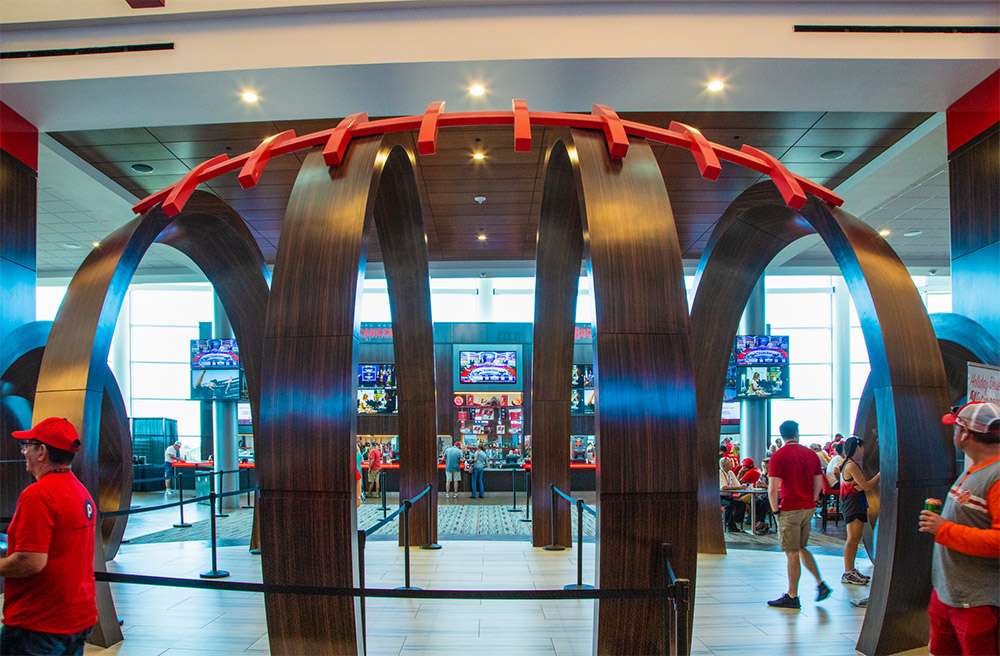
[
  {"x": 797, "y": 282},
  {"x": 811, "y": 381},
  {"x": 162, "y": 343},
  {"x": 375, "y": 305},
  {"x": 798, "y": 310},
  {"x": 859, "y": 375},
  {"x": 513, "y": 283},
  {"x": 187, "y": 414},
  {"x": 447, "y": 308},
  {"x": 47, "y": 301},
  {"x": 814, "y": 416},
  {"x": 164, "y": 306},
  {"x": 157, "y": 380},
  {"x": 807, "y": 345},
  {"x": 938, "y": 302},
  {"x": 514, "y": 306},
  {"x": 454, "y": 283},
  {"x": 859, "y": 352}
]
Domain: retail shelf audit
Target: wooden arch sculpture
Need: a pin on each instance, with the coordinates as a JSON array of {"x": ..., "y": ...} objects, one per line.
[
  {"x": 908, "y": 381},
  {"x": 307, "y": 441},
  {"x": 616, "y": 218},
  {"x": 20, "y": 360},
  {"x": 70, "y": 382}
]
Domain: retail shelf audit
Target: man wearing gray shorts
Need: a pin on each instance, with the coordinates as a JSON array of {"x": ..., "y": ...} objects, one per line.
[
  {"x": 453, "y": 469},
  {"x": 796, "y": 478}
]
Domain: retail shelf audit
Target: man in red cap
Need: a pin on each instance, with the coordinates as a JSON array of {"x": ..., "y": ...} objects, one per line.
[
  {"x": 49, "y": 600},
  {"x": 965, "y": 570}
]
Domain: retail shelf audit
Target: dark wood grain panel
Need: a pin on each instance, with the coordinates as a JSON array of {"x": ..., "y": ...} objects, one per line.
[
  {"x": 71, "y": 377},
  {"x": 310, "y": 381},
  {"x": 907, "y": 378}
]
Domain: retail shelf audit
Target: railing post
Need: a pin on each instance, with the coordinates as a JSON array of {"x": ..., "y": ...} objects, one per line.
[
  {"x": 527, "y": 493},
  {"x": 180, "y": 477},
  {"x": 249, "y": 488},
  {"x": 513, "y": 489},
  {"x": 579, "y": 551},
  {"x": 215, "y": 572},
  {"x": 430, "y": 518},
  {"x": 553, "y": 545},
  {"x": 682, "y": 591},
  {"x": 407, "y": 504},
  {"x": 362, "y": 538},
  {"x": 221, "y": 490}
]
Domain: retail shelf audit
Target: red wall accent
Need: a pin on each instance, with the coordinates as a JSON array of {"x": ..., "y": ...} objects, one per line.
[
  {"x": 18, "y": 137},
  {"x": 974, "y": 113}
]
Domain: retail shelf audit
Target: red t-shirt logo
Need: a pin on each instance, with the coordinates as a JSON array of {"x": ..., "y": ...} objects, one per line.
[{"x": 88, "y": 508}]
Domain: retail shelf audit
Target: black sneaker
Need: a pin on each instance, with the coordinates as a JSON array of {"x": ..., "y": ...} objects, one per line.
[
  {"x": 823, "y": 591},
  {"x": 784, "y": 601}
]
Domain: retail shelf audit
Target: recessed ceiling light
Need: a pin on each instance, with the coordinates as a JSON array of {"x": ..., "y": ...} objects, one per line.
[
  {"x": 478, "y": 156},
  {"x": 477, "y": 90},
  {"x": 95, "y": 244},
  {"x": 481, "y": 236},
  {"x": 913, "y": 233},
  {"x": 885, "y": 232},
  {"x": 249, "y": 96},
  {"x": 72, "y": 247},
  {"x": 479, "y": 200},
  {"x": 715, "y": 85},
  {"x": 832, "y": 155},
  {"x": 142, "y": 168}
]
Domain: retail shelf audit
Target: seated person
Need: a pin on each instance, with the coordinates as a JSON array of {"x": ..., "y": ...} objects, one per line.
[
  {"x": 750, "y": 476},
  {"x": 728, "y": 484},
  {"x": 833, "y": 467}
]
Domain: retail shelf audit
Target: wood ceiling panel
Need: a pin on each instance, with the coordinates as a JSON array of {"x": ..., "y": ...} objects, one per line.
[
  {"x": 470, "y": 172},
  {"x": 473, "y": 187},
  {"x": 235, "y": 191},
  {"x": 453, "y": 211},
  {"x": 462, "y": 199}
]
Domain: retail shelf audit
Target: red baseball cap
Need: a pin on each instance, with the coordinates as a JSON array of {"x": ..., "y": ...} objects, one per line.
[
  {"x": 56, "y": 432},
  {"x": 978, "y": 416},
  {"x": 748, "y": 462}
]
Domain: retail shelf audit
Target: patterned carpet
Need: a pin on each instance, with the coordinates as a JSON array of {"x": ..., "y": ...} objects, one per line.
[{"x": 460, "y": 519}]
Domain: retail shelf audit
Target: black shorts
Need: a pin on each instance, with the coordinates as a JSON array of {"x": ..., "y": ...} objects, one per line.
[{"x": 854, "y": 507}]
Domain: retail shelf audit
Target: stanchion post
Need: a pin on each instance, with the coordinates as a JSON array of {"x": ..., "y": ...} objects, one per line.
[
  {"x": 362, "y": 538},
  {"x": 215, "y": 572},
  {"x": 221, "y": 490},
  {"x": 553, "y": 545},
  {"x": 527, "y": 494},
  {"x": 579, "y": 585},
  {"x": 430, "y": 518},
  {"x": 513, "y": 489},
  {"x": 249, "y": 489},
  {"x": 180, "y": 486},
  {"x": 682, "y": 590},
  {"x": 407, "y": 504},
  {"x": 381, "y": 484}
]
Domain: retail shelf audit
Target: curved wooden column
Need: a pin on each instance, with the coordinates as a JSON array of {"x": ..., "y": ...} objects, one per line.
[
  {"x": 908, "y": 382},
  {"x": 70, "y": 381},
  {"x": 646, "y": 490},
  {"x": 307, "y": 445},
  {"x": 558, "y": 257}
]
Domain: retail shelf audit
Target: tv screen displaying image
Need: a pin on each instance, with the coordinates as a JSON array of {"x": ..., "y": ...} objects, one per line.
[
  {"x": 215, "y": 354},
  {"x": 487, "y": 367},
  {"x": 583, "y": 376},
  {"x": 582, "y": 402},
  {"x": 760, "y": 350},
  {"x": 376, "y": 375},
  {"x": 216, "y": 384},
  {"x": 378, "y": 401},
  {"x": 763, "y": 383},
  {"x": 729, "y": 392}
]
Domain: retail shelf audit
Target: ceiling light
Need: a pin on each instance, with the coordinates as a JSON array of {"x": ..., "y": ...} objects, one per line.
[
  {"x": 481, "y": 236},
  {"x": 72, "y": 247},
  {"x": 715, "y": 85},
  {"x": 142, "y": 168},
  {"x": 249, "y": 96},
  {"x": 913, "y": 233},
  {"x": 95, "y": 244},
  {"x": 479, "y": 200},
  {"x": 832, "y": 155},
  {"x": 477, "y": 90},
  {"x": 885, "y": 232},
  {"x": 478, "y": 156}
]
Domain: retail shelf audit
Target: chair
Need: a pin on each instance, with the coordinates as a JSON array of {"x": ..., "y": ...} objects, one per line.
[{"x": 829, "y": 511}]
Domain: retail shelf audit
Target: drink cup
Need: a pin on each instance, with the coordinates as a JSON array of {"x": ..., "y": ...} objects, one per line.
[{"x": 933, "y": 505}]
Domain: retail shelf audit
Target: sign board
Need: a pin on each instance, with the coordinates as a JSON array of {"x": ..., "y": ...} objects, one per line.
[{"x": 984, "y": 383}]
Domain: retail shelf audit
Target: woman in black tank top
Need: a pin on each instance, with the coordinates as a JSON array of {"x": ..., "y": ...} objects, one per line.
[{"x": 854, "y": 487}]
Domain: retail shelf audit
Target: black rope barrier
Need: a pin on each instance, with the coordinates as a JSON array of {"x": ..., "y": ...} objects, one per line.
[
  {"x": 173, "y": 504},
  {"x": 513, "y": 489},
  {"x": 580, "y": 506},
  {"x": 382, "y": 522}
]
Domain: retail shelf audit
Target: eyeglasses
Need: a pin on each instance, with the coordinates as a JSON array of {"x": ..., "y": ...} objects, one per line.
[{"x": 27, "y": 444}]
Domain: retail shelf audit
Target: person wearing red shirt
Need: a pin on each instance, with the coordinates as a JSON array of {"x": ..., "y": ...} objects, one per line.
[
  {"x": 796, "y": 477},
  {"x": 749, "y": 474},
  {"x": 49, "y": 599},
  {"x": 374, "y": 467}
]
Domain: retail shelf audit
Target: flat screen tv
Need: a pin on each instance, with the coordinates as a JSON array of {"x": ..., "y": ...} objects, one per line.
[
  {"x": 762, "y": 383},
  {"x": 377, "y": 401},
  {"x": 376, "y": 375},
  {"x": 216, "y": 384},
  {"x": 760, "y": 350},
  {"x": 582, "y": 401},
  {"x": 216, "y": 353},
  {"x": 481, "y": 367}
]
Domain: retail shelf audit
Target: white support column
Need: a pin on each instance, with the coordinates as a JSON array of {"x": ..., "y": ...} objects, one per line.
[
  {"x": 843, "y": 422},
  {"x": 753, "y": 413},
  {"x": 226, "y": 439},
  {"x": 485, "y": 299}
]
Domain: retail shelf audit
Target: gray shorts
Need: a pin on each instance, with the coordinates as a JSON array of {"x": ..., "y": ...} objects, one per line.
[
  {"x": 793, "y": 528},
  {"x": 453, "y": 476}
]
